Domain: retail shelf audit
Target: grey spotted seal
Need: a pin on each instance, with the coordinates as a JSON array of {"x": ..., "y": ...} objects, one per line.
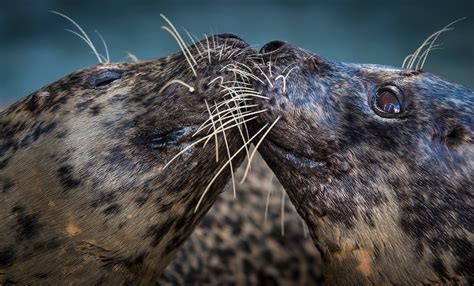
[
  {"x": 85, "y": 197},
  {"x": 378, "y": 161}
]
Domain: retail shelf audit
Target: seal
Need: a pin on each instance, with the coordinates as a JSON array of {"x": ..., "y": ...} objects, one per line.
[
  {"x": 88, "y": 192},
  {"x": 378, "y": 161},
  {"x": 239, "y": 243}
]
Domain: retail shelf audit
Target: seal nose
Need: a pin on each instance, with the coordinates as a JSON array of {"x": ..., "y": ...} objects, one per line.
[{"x": 271, "y": 47}]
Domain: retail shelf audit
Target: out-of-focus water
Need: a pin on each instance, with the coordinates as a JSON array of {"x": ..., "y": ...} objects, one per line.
[{"x": 35, "y": 50}]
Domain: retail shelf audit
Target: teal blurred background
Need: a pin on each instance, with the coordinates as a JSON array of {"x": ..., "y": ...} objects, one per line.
[{"x": 35, "y": 50}]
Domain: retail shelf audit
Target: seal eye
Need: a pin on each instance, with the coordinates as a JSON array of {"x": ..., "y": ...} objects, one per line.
[
  {"x": 387, "y": 102},
  {"x": 103, "y": 77}
]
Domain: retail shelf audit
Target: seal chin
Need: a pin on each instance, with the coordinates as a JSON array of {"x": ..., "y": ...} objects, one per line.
[{"x": 295, "y": 158}]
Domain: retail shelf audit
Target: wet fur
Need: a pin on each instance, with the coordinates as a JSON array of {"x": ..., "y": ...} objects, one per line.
[
  {"x": 84, "y": 196},
  {"x": 392, "y": 200}
]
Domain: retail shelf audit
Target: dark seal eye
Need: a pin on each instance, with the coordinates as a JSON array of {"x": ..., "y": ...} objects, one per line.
[
  {"x": 104, "y": 77},
  {"x": 388, "y": 102}
]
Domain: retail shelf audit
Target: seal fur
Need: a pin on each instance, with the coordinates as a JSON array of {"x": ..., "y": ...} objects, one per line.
[
  {"x": 387, "y": 199},
  {"x": 85, "y": 197}
]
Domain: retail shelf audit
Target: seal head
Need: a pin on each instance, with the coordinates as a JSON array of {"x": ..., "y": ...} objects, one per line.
[
  {"x": 85, "y": 195},
  {"x": 378, "y": 161}
]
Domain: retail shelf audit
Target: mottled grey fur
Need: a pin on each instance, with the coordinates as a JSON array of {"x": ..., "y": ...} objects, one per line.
[
  {"x": 387, "y": 200},
  {"x": 83, "y": 193}
]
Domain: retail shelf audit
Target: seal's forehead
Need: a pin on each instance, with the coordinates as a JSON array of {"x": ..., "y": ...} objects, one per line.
[{"x": 375, "y": 70}]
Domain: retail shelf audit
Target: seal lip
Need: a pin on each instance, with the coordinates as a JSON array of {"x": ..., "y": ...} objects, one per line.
[{"x": 294, "y": 158}]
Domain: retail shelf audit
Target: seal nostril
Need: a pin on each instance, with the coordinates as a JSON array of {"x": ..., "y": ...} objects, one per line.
[{"x": 271, "y": 47}]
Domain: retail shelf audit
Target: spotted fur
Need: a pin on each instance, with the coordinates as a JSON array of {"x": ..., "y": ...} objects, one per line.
[
  {"x": 233, "y": 246},
  {"x": 83, "y": 193},
  {"x": 387, "y": 200}
]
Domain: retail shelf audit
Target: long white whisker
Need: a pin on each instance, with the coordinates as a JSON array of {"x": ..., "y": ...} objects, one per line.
[
  {"x": 223, "y": 167},
  {"x": 84, "y": 36},
  {"x": 223, "y": 113},
  {"x": 255, "y": 149},
  {"x": 268, "y": 80},
  {"x": 106, "y": 48},
  {"x": 230, "y": 162},
  {"x": 179, "y": 36},
  {"x": 178, "y": 81},
  {"x": 446, "y": 28},
  {"x": 192, "y": 41},
  {"x": 215, "y": 133},
  {"x": 219, "y": 129},
  {"x": 208, "y": 48},
  {"x": 182, "y": 46},
  {"x": 283, "y": 213},
  {"x": 269, "y": 193}
]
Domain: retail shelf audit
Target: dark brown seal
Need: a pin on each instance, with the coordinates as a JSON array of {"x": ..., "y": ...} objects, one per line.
[
  {"x": 378, "y": 161},
  {"x": 84, "y": 195}
]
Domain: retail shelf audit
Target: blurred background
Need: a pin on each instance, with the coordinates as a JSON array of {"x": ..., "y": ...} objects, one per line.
[{"x": 36, "y": 50}]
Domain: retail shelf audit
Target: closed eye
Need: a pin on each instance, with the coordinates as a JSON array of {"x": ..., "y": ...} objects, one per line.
[{"x": 104, "y": 77}]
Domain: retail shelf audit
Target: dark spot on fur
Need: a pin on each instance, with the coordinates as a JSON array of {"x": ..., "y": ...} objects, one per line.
[
  {"x": 28, "y": 225},
  {"x": 157, "y": 231},
  {"x": 95, "y": 110},
  {"x": 266, "y": 279},
  {"x": 81, "y": 106},
  {"x": 165, "y": 207},
  {"x": 67, "y": 179},
  {"x": 113, "y": 209},
  {"x": 439, "y": 268},
  {"x": 103, "y": 199},
  {"x": 6, "y": 184},
  {"x": 135, "y": 260},
  {"x": 47, "y": 246},
  {"x": 140, "y": 201},
  {"x": 7, "y": 257},
  {"x": 4, "y": 163},
  {"x": 176, "y": 242}
]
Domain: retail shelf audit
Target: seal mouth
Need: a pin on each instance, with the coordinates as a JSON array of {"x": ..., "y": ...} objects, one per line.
[{"x": 296, "y": 158}]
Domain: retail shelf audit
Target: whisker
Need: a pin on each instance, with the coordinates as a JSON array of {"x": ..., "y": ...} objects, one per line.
[
  {"x": 230, "y": 162},
  {"x": 283, "y": 212},
  {"x": 179, "y": 37},
  {"x": 84, "y": 35},
  {"x": 269, "y": 193},
  {"x": 177, "y": 81},
  {"x": 182, "y": 46},
  {"x": 256, "y": 147},
  {"x": 107, "y": 56},
  {"x": 215, "y": 134},
  {"x": 131, "y": 56},
  {"x": 268, "y": 80},
  {"x": 223, "y": 167},
  {"x": 208, "y": 48}
]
